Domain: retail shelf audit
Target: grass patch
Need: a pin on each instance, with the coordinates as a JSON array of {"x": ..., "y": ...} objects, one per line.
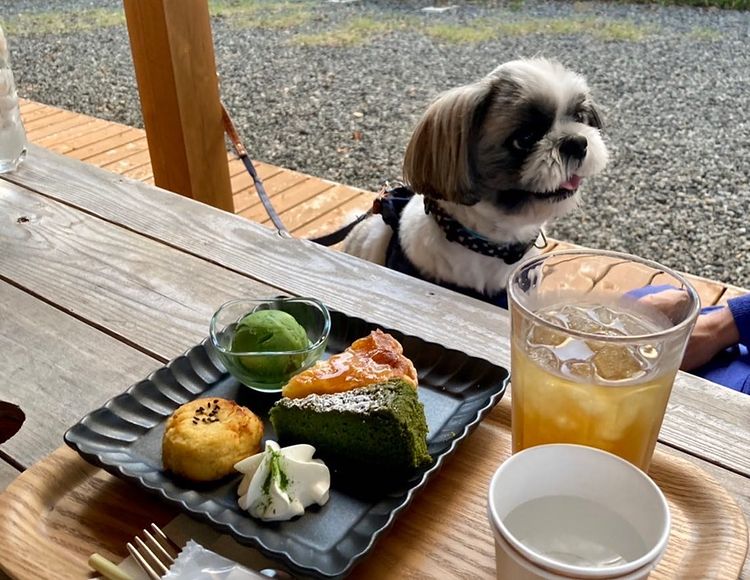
[
  {"x": 706, "y": 34},
  {"x": 479, "y": 31},
  {"x": 276, "y": 21},
  {"x": 242, "y": 14},
  {"x": 579, "y": 4},
  {"x": 227, "y": 8},
  {"x": 558, "y": 26},
  {"x": 621, "y": 30},
  {"x": 485, "y": 30},
  {"x": 58, "y": 22},
  {"x": 725, "y": 4},
  {"x": 355, "y": 32}
]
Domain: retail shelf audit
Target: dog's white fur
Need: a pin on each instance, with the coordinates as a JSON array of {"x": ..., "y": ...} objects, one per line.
[{"x": 463, "y": 153}]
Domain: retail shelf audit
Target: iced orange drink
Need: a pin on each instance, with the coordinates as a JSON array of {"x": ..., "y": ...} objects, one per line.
[{"x": 593, "y": 367}]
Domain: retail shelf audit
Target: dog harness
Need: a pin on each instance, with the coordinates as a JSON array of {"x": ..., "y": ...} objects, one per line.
[{"x": 391, "y": 205}]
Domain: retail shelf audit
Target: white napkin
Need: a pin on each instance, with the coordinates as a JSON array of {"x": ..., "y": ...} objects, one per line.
[
  {"x": 196, "y": 563},
  {"x": 182, "y": 529}
]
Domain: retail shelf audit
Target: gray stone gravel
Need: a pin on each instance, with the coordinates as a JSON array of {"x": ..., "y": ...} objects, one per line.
[{"x": 678, "y": 111}]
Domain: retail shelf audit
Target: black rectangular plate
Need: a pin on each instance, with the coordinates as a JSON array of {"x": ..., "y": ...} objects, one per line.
[{"x": 124, "y": 437}]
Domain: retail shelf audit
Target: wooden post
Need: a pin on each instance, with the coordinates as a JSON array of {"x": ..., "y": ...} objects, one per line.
[{"x": 175, "y": 67}]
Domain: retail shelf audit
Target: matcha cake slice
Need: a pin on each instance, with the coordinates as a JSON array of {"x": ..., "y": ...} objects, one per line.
[{"x": 380, "y": 426}]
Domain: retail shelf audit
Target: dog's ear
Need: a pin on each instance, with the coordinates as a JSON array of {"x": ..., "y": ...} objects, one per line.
[
  {"x": 438, "y": 158},
  {"x": 596, "y": 115}
]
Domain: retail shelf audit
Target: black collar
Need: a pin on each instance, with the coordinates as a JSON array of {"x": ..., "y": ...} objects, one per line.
[{"x": 454, "y": 231}]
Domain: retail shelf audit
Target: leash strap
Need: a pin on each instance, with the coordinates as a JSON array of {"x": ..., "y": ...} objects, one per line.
[
  {"x": 380, "y": 205},
  {"x": 241, "y": 151},
  {"x": 338, "y": 236},
  {"x": 325, "y": 240}
]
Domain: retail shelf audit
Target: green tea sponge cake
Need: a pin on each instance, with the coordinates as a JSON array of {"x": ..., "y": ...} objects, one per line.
[{"x": 380, "y": 426}]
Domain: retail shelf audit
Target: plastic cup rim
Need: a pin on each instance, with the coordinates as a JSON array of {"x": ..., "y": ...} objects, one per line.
[
  {"x": 554, "y": 566},
  {"x": 676, "y": 329}
]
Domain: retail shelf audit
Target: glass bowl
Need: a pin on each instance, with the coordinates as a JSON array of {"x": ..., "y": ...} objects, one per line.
[{"x": 270, "y": 370}]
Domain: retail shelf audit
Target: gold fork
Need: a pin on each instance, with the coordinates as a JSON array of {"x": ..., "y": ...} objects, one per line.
[{"x": 154, "y": 555}]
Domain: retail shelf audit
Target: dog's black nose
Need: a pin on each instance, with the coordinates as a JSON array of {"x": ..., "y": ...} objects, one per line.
[{"x": 574, "y": 146}]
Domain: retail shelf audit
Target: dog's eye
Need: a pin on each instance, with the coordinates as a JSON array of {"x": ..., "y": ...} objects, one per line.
[
  {"x": 580, "y": 117},
  {"x": 524, "y": 140}
]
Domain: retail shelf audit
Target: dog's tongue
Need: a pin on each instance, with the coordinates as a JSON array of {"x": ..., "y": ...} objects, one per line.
[{"x": 572, "y": 183}]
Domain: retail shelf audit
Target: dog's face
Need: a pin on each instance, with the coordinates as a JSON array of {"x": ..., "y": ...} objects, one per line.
[{"x": 521, "y": 139}]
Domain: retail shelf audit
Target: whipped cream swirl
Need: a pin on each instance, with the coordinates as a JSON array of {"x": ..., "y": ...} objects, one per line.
[{"x": 278, "y": 484}]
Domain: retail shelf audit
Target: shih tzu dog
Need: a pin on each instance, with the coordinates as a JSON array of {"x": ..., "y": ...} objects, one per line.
[{"x": 487, "y": 166}]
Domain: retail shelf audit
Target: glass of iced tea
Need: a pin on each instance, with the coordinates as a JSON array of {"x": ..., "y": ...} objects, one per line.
[{"x": 596, "y": 340}]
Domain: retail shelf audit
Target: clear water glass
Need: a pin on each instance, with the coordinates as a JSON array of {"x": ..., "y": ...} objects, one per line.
[{"x": 12, "y": 133}]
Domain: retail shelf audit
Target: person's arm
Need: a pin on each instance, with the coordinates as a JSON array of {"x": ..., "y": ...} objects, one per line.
[{"x": 716, "y": 331}]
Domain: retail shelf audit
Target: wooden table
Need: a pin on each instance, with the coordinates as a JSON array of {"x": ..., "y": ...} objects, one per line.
[{"x": 103, "y": 279}]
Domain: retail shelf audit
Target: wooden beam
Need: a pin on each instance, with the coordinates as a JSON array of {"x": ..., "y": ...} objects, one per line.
[{"x": 175, "y": 68}]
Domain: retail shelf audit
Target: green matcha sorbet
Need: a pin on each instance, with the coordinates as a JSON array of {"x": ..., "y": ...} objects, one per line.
[{"x": 271, "y": 331}]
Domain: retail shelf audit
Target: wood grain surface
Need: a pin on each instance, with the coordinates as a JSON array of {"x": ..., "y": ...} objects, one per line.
[
  {"x": 63, "y": 136},
  {"x": 52, "y": 368},
  {"x": 356, "y": 288},
  {"x": 127, "y": 285},
  {"x": 731, "y": 292},
  {"x": 107, "y": 148},
  {"x": 290, "y": 197},
  {"x": 73, "y": 509},
  {"x": 336, "y": 218},
  {"x": 98, "y": 139},
  {"x": 53, "y": 129},
  {"x": 54, "y": 117},
  {"x": 61, "y": 510},
  {"x": 323, "y": 203},
  {"x": 7, "y": 474}
]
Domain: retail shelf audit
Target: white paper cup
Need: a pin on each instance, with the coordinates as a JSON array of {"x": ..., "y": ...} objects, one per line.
[{"x": 588, "y": 474}]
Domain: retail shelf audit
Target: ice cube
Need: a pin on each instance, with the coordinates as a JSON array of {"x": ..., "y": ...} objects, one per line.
[
  {"x": 573, "y": 349},
  {"x": 578, "y": 369},
  {"x": 544, "y": 357},
  {"x": 604, "y": 315},
  {"x": 541, "y": 335},
  {"x": 622, "y": 414},
  {"x": 588, "y": 319},
  {"x": 617, "y": 363},
  {"x": 635, "y": 322}
]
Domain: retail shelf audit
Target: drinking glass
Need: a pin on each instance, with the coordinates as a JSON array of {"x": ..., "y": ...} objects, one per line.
[
  {"x": 596, "y": 341},
  {"x": 12, "y": 133}
]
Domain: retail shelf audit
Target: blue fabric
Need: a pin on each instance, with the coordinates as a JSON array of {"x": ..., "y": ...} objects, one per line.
[
  {"x": 740, "y": 308},
  {"x": 646, "y": 290},
  {"x": 731, "y": 367},
  {"x": 391, "y": 208}
]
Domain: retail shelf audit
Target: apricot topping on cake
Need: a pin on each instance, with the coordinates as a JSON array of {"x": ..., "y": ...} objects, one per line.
[{"x": 372, "y": 359}]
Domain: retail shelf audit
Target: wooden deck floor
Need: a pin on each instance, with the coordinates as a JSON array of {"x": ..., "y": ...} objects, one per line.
[{"x": 307, "y": 205}]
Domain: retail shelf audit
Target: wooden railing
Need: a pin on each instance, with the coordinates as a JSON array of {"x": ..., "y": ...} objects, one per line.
[{"x": 175, "y": 67}]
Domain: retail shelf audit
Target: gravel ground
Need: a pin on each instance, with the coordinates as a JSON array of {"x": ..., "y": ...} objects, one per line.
[{"x": 674, "y": 82}]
